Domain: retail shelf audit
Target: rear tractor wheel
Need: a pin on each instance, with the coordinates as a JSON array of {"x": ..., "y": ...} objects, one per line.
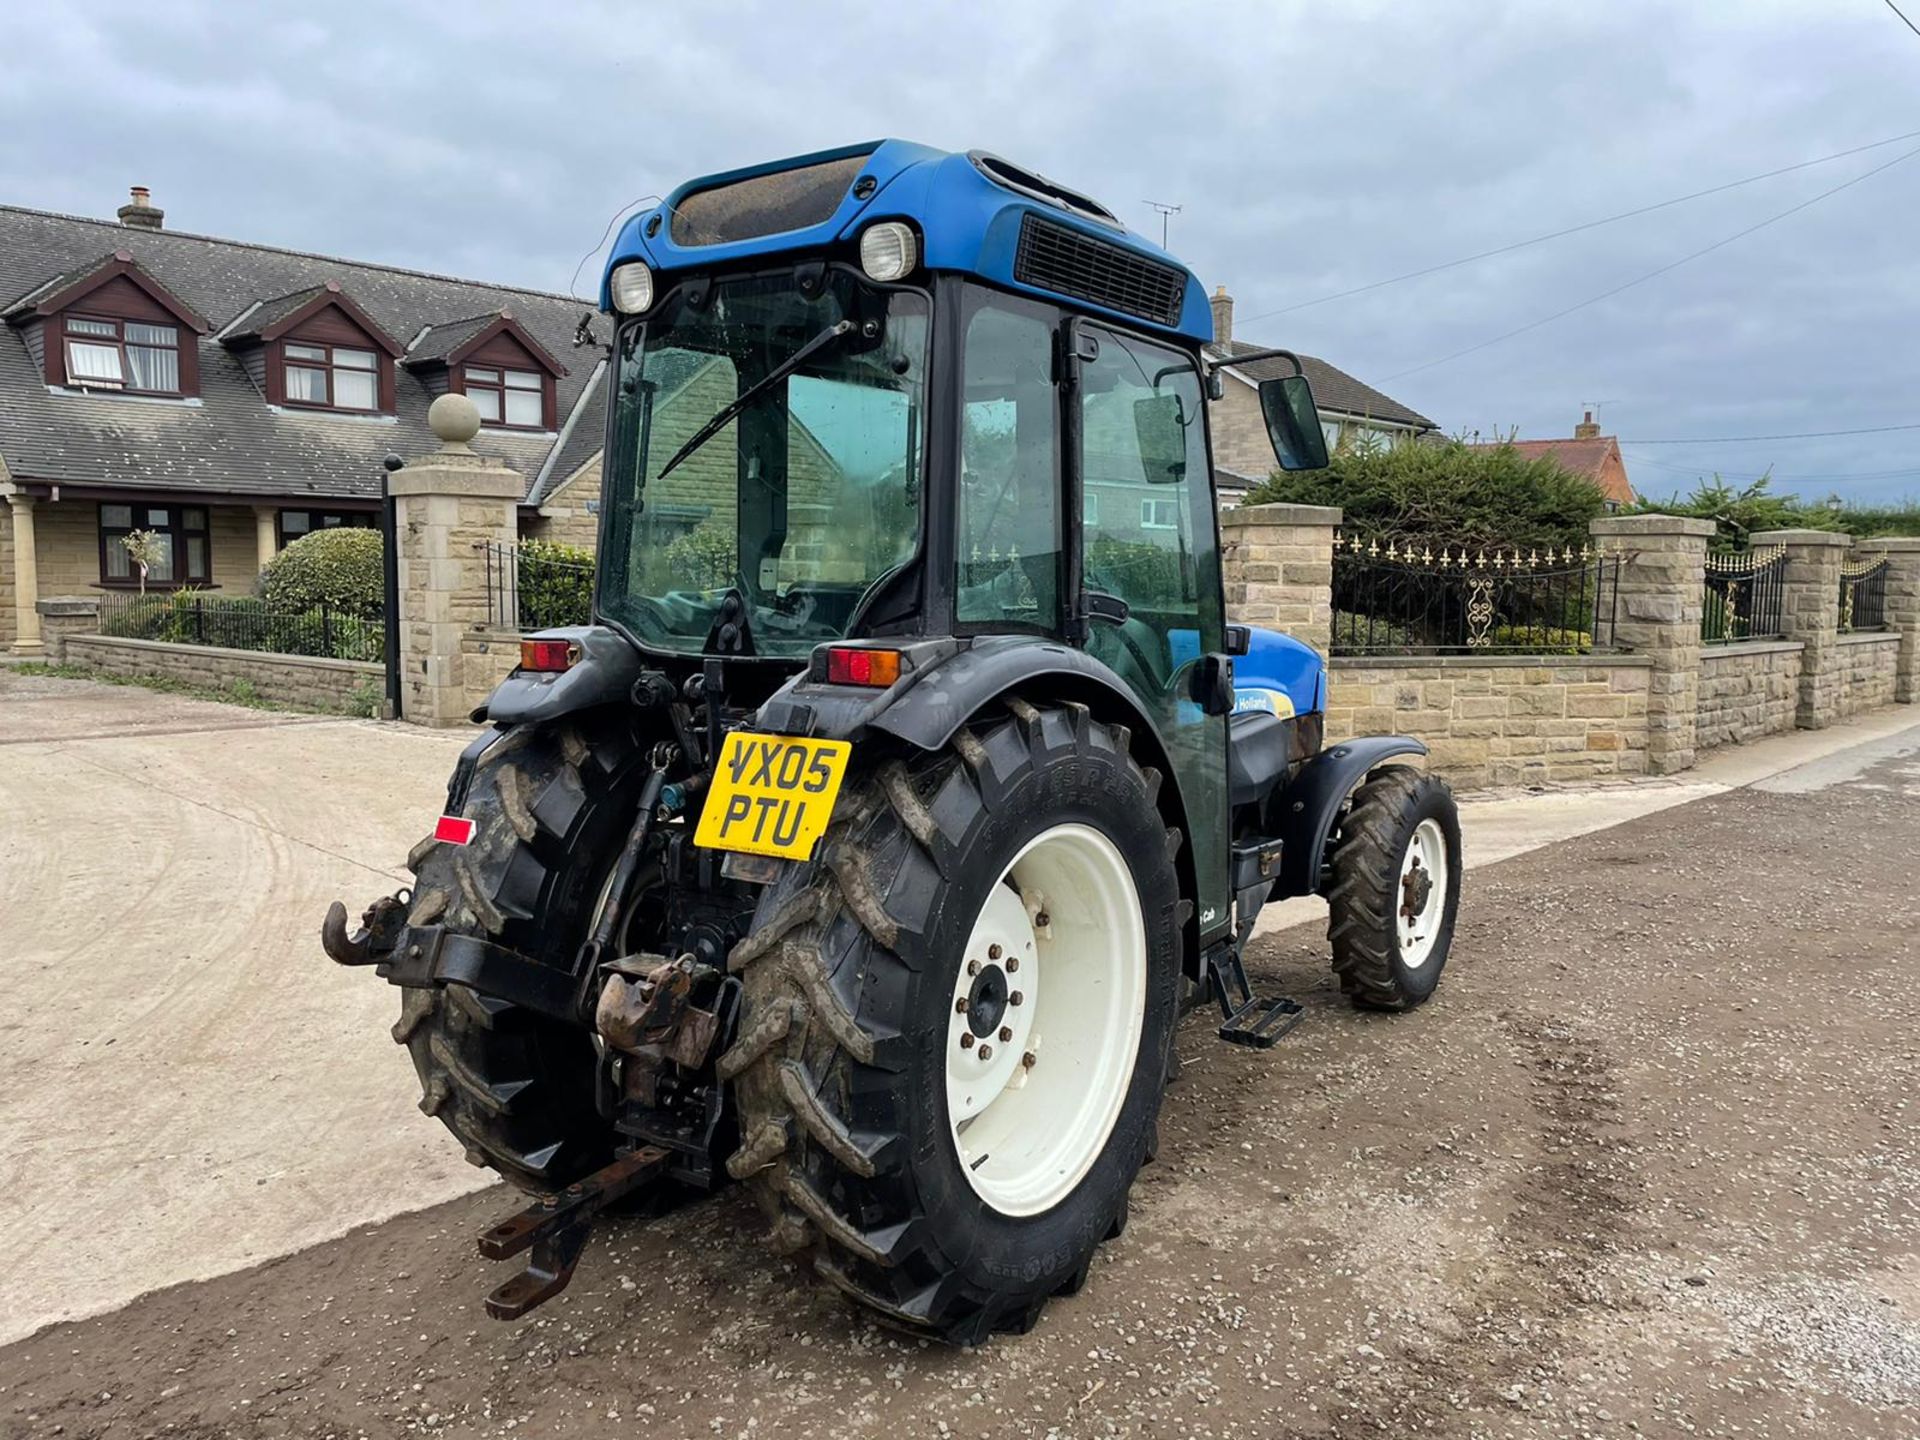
[
  {"x": 956, "y": 1021},
  {"x": 550, "y": 807},
  {"x": 1395, "y": 888}
]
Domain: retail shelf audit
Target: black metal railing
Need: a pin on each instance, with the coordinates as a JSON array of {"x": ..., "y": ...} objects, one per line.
[
  {"x": 239, "y": 622},
  {"x": 1743, "y": 596},
  {"x": 530, "y": 588},
  {"x": 1404, "y": 599},
  {"x": 1863, "y": 596}
]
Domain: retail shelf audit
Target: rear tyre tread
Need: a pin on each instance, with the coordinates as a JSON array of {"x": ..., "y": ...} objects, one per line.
[{"x": 796, "y": 1073}]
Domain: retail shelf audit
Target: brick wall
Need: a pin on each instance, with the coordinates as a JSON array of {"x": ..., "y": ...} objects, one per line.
[
  {"x": 1501, "y": 720},
  {"x": 1746, "y": 691},
  {"x": 306, "y": 682},
  {"x": 1868, "y": 666}
]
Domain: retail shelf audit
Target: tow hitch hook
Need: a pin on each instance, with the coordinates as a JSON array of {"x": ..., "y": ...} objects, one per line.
[{"x": 379, "y": 928}]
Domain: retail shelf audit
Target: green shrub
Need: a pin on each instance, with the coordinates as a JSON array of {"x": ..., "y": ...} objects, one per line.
[
  {"x": 340, "y": 569},
  {"x": 703, "y": 558},
  {"x": 1445, "y": 492},
  {"x": 1754, "y": 507},
  {"x": 556, "y": 584}
]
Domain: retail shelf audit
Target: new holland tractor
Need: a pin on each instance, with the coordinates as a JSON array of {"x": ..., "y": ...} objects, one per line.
[{"x": 868, "y": 846}]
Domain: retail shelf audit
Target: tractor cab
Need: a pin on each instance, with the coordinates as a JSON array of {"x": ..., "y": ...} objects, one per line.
[{"x": 885, "y": 395}]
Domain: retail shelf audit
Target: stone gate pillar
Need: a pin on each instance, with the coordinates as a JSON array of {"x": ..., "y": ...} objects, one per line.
[
  {"x": 1660, "y": 589},
  {"x": 1810, "y": 613},
  {"x": 1277, "y": 563},
  {"x": 449, "y": 506},
  {"x": 1902, "y": 554}
]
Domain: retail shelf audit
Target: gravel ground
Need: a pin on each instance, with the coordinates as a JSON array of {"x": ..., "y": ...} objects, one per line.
[{"x": 1647, "y": 1165}]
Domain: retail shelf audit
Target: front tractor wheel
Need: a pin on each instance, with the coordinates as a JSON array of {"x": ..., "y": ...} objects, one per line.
[
  {"x": 1395, "y": 888},
  {"x": 956, "y": 1023}
]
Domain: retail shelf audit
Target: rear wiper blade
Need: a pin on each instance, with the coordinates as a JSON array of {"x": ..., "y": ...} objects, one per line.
[{"x": 746, "y": 397}]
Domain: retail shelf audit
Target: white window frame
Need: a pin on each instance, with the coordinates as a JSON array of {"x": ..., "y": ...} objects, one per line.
[{"x": 1148, "y": 508}]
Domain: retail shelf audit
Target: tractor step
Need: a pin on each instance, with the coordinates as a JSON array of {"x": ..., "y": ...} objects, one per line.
[
  {"x": 556, "y": 1228},
  {"x": 1261, "y": 1022}
]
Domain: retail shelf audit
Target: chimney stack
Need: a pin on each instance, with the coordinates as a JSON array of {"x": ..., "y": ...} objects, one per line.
[
  {"x": 1586, "y": 429},
  {"x": 1222, "y": 315},
  {"x": 139, "y": 213}
]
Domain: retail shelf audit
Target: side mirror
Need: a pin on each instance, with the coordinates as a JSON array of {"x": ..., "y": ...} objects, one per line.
[
  {"x": 1212, "y": 684},
  {"x": 1293, "y": 423},
  {"x": 1160, "y": 429}
]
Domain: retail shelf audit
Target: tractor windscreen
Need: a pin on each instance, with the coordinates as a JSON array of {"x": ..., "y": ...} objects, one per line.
[{"x": 766, "y": 441}]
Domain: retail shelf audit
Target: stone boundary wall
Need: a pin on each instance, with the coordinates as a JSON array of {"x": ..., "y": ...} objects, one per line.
[
  {"x": 485, "y": 658},
  {"x": 306, "y": 681},
  {"x": 1501, "y": 719},
  {"x": 1747, "y": 690},
  {"x": 1869, "y": 665}
]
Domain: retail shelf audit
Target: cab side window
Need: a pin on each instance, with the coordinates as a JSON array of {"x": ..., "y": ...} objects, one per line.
[{"x": 1009, "y": 560}]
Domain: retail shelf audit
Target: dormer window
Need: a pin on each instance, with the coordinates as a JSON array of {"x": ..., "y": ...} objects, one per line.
[
  {"x": 128, "y": 355},
  {"x": 334, "y": 377},
  {"x": 513, "y": 398}
]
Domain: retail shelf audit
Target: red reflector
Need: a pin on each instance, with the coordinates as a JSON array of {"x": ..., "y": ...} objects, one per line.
[
  {"x": 863, "y": 667},
  {"x": 454, "y": 830},
  {"x": 548, "y": 654}
]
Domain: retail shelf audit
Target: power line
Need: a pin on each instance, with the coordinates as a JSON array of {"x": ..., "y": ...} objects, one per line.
[
  {"x": 1796, "y": 435},
  {"x": 1909, "y": 24},
  {"x": 1661, "y": 270},
  {"x": 1576, "y": 229}
]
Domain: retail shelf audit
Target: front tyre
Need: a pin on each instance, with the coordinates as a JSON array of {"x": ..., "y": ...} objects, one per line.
[
  {"x": 1395, "y": 888},
  {"x": 956, "y": 1022}
]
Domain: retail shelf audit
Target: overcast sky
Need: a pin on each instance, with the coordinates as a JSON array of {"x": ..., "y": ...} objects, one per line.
[{"x": 1313, "y": 148}]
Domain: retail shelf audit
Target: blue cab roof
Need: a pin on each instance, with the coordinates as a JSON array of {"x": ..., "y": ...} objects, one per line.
[{"x": 968, "y": 223}]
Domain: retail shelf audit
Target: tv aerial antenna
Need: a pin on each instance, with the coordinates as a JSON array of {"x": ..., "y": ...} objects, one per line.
[{"x": 1166, "y": 211}]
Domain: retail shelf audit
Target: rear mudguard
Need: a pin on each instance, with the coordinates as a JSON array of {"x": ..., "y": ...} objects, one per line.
[
  {"x": 945, "y": 683},
  {"x": 1307, "y": 809},
  {"x": 605, "y": 672}
]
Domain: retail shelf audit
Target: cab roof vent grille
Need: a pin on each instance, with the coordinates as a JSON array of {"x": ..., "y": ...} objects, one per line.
[{"x": 1068, "y": 262}]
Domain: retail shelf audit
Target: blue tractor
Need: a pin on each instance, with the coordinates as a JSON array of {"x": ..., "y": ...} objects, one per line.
[{"x": 868, "y": 846}]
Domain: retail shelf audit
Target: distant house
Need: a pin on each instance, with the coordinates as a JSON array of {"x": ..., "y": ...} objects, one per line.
[
  {"x": 231, "y": 397},
  {"x": 1589, "y": 454},
  {"x": 1349, "y": 409}
]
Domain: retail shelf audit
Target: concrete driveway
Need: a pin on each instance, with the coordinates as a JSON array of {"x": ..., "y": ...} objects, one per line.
[{"x": 187, "y": 1084}]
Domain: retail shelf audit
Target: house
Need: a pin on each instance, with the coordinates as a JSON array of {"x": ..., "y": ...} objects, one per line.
[
  {"x": 1589, "y": 454},
  {"x": 1349, "y": 409},
  {"x": 231, "y": 397}
]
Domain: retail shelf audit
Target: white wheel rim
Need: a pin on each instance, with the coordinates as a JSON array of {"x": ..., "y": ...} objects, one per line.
[
  {"x": 1420, "y": 899},
  {"x": 1062, "y": 930}
]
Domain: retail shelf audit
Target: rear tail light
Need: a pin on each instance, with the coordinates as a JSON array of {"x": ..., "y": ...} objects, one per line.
[
  {"x": 548, "y": 654},
  {"x": 849, "y": 666}
]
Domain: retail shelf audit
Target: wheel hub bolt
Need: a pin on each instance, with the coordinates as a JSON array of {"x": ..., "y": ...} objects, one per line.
[
  {"x": 1041, "y": 920},
  {"x": 966, "y": 1040},
  {"x": 1013, "y": 962},
  {"x": 973, "y": 967},
  {"x": 1027, "y": 1059},
  {"x": 960, "y": 1006},
  {"x": 986, "y": 1052},
  {"x": 1006, "y": 1033},
  {"x": 1015, "y": 998},
  {"x": 993, "y": 952}
]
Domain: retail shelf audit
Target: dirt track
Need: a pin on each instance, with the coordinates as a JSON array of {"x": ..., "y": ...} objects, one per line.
[{"x": 1647, "y": 1164}]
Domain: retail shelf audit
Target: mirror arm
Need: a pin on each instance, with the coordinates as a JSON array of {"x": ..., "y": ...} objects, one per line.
[{"x": 1247, "y": 357}]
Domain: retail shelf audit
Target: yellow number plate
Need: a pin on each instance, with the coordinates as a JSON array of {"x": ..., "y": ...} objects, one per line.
[{"x": 772, "y": 794}]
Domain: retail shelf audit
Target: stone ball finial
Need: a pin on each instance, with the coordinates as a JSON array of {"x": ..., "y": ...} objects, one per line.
[{"x": 455, "y": 420}]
